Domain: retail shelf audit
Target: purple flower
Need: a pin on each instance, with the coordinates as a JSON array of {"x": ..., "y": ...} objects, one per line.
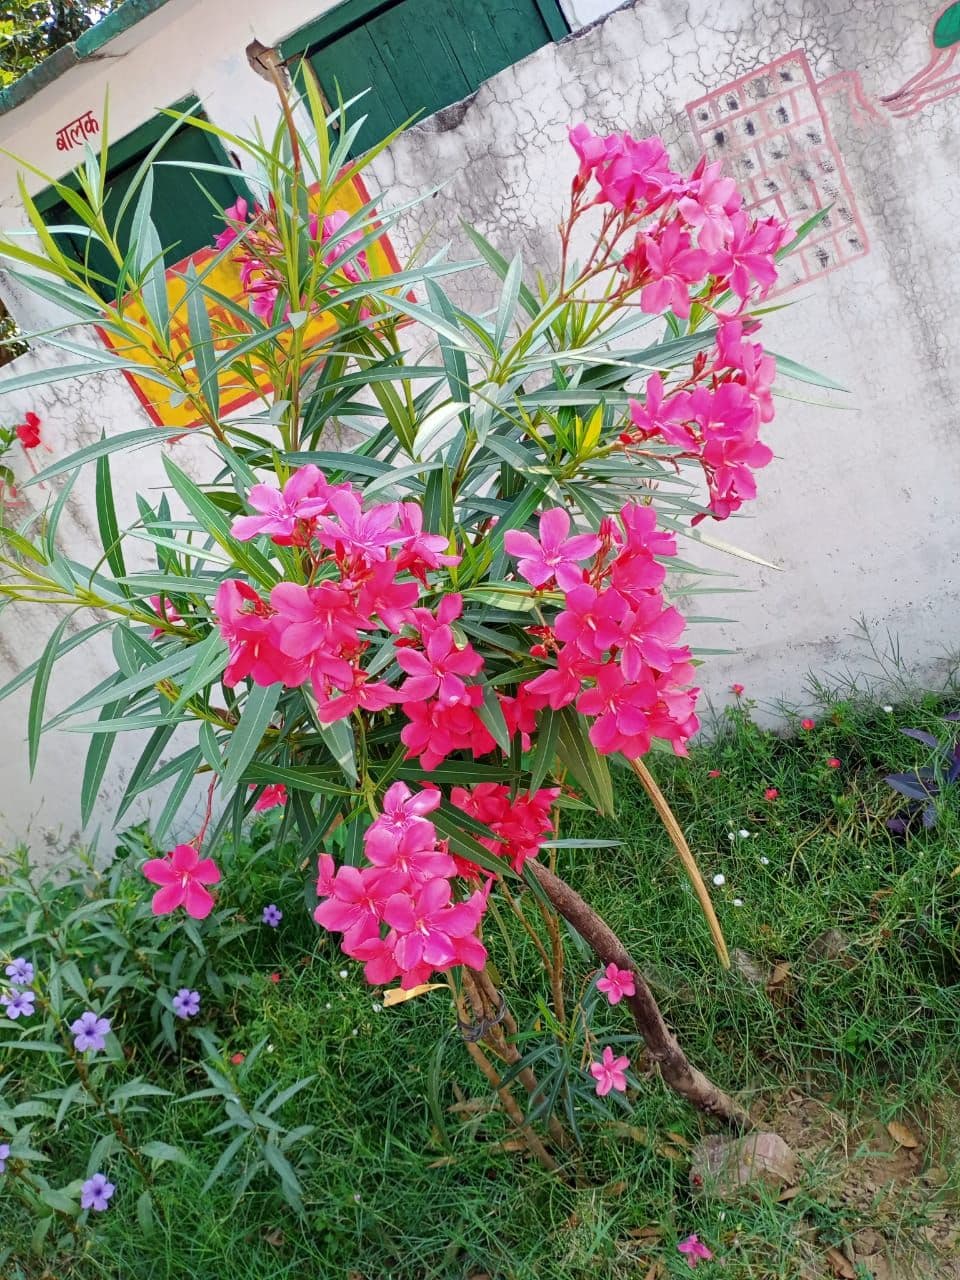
[
  {"x": 89, "y": 1032},
  {"x": 186, "y": 1003},
  {"x": 20, "y": 972},
  {"x": 96, "y": 1192},
  {"x": 272, "y": 915},
  {"x": 18, "y": 1003},
  {"x": 4, "y": 1152}
]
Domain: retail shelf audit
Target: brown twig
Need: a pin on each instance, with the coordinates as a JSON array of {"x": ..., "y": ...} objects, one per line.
[
  {"x": 662, "y": 1045},
  {"x": 675, "y": 832}
]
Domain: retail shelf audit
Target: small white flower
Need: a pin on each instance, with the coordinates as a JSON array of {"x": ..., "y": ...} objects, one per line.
[
  {"x": 719, "y": 879},
  {"x": 744, "y": 835},
  {"x": 328, "y": 1005},
  {"x": 764, "y": 862},
  {"x": 355, "y": 1032},
  {"x": 731, "y": 836},
  {"x": 377, "y": 1008},
  {"x": 269, "y": 1048},
  {"x": 356, "y": 1196},
  {"x": 888, "y": 709},
  {"x": 344, "y": 973},
  {"x": 738, "y": 902}
]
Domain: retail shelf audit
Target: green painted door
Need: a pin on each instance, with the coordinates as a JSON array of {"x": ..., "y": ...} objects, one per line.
[
  {"x": 416, "y": 56},
  {"x": 184, "y": 217}
]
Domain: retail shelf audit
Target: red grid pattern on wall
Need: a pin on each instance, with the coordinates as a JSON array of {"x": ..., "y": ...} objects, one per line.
[{"x": 771, "y": 131}]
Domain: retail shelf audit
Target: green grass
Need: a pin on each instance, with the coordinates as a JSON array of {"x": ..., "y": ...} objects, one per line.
[{"x": 404, "y": 1174}]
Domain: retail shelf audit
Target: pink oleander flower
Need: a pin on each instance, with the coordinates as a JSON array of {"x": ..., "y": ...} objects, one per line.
[
  {"x": 666, "y": 265},
  {"x": 287, "y": 515},
  {"x": 420, "y": 551},
  {"x": 771, "y": 793},
  {"x": 808, "y": 724},
  {"x": 182, "y": 876},
  {"x": 356, "y": 901},
  {"x": 634, "y": 172},
  {"x": 435, "y": 730},
  {"x": 748, "y": 260},
  {"x": 354, "y": 266},
  {"x": 235, "y": 213},
  {"x": 438, "y": 669},
  {"x": 709, "y": 203},
  {"x": 617, "y": 983},
  {"x": 694, "y": 1250},
  {"x": 274, "y": 794},
  {"x": 431, "y": 930},
  {"x": 402, "y": 807},
  {"x": 254, "y": 632},
  {"x": 520, "y": 823},
  {"x": 609, "y": 1073},
  {"x": 164, "y": 609},
  {"x": 352, "y": 532},
  {"x": 554, "y": 555},
  {"x": 738, "y": 690}
]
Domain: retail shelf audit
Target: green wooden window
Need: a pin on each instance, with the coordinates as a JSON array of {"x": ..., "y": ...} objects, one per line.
[
  {"x": 185, "y": 219},
  {"x": 416, "y": 56}
]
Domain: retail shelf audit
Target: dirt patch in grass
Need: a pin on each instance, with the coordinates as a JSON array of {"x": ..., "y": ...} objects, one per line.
[{"x": 884, "y": 1200}]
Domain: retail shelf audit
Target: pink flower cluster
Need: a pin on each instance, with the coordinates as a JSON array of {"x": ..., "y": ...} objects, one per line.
[
  {"x": 689, "y": 238},
  {"x": 716, "y": 422},
  {"x": 521, "y": 824},
  {"x": 614, "y": 640},
  {"x": 260, "y": 250},
  {"x": 702, "y": 234},
  {"x": 367, "y": 565},
  {"x": 399, "y": 915}
]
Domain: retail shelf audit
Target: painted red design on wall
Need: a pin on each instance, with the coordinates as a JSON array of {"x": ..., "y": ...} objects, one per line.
[
  {"x": 771, "y": 131},
  {"x": 77, "y": 131}
]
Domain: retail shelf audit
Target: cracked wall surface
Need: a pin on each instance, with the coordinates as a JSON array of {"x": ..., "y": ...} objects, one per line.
[{"x": 858, "y": 509}]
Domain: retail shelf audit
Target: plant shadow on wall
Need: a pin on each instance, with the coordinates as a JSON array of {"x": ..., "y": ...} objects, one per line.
[{"x": 434, "y": 649}]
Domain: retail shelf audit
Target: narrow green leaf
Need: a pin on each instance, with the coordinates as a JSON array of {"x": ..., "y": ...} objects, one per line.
[
  {"x": 215, "y": 523},
  {"x": 38, "y": 694},
  {"x": 112, "y": 444},
  {"x": 98, "y": 756},
  {"x": 141, "y": 771},
  {"x": 176, "y": 796},
  {"x": 579, "y": 755},
  {"x": 548, "y": 728},
  {"x": 107, "y": 518},
  {"x": 258, "y": 708},
  {"x": 201, "y": 342}
]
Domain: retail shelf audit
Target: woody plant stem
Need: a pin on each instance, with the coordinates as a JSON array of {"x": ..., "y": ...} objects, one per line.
[{"x": 662, "y": 1045}]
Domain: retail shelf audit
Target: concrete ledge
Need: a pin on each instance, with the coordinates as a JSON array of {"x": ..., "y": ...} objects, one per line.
[{"x": 85, "y": 46}]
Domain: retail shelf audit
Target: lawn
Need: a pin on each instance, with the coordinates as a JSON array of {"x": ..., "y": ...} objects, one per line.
[{"x": 837, "y": 1025}]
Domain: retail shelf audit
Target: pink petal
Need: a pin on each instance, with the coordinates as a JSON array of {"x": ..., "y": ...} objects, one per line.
[
  {"x": 167, "y": 899},
  {"x": 198, "y": 902}
]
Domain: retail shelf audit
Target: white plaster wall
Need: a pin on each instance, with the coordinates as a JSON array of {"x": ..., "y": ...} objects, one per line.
[{"x": 858, "y": 510}]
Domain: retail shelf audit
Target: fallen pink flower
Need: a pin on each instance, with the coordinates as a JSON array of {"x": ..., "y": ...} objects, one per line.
[{"x": 695, "y": 1250}]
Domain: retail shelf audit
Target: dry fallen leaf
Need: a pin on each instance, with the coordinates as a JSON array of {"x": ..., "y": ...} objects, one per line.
[
  {"x": 671, "y": 1152},
  {"x": 840, "y": 1266},
  {"x": 645, "y": 1233},
  {"x": 788, "y": 1194},
  {"x": 632, "y": 1131},
  {"x": 615, "y": 1189},
  {"x": 441, "y": 1162},
  {"x": 901, "y": 1135},
  {"x": 655, "y": 1272},
  {"x": 779, "y": 975},
  {"x": 679, "y": 1139},
  {"x": 397, "y": 995}
]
